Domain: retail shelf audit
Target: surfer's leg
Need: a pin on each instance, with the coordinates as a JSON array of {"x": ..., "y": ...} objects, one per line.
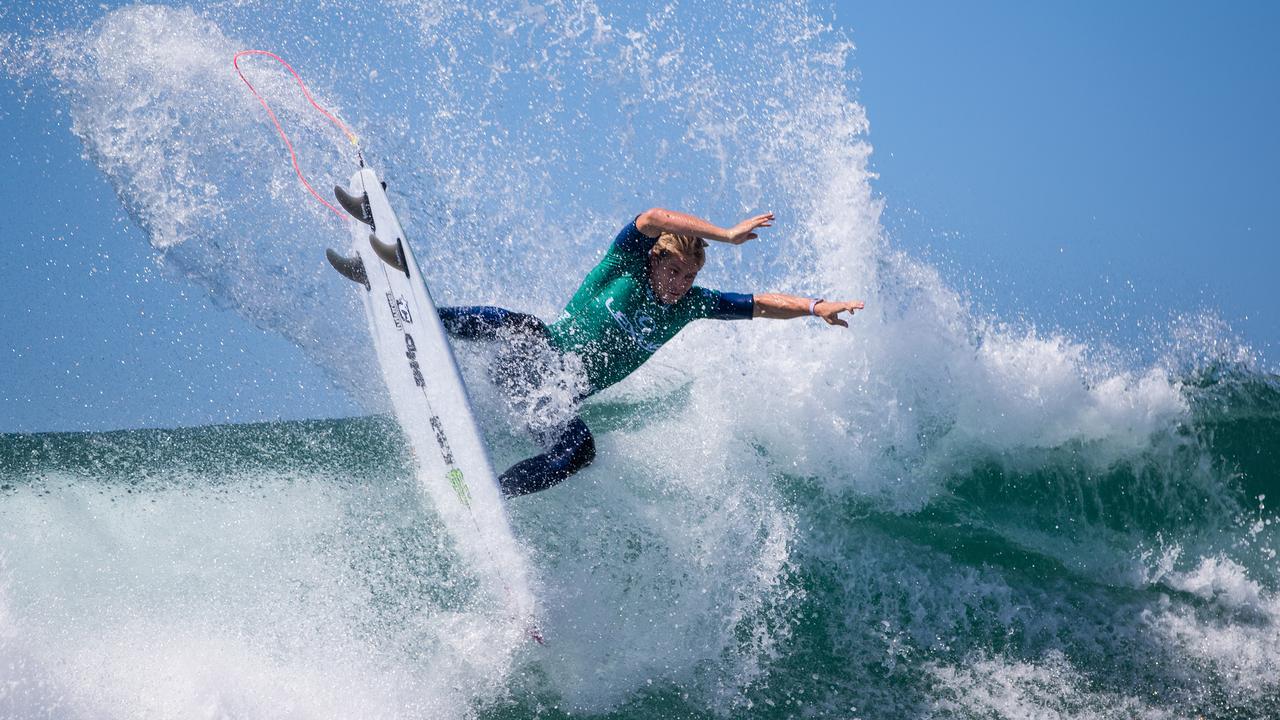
[
  {"x": 483, "y": 322},
  {"x": 574, "y": 450},
  {"x": 518, "y": 369}
]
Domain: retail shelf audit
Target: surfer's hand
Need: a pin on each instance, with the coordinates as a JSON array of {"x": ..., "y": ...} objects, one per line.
[
  {"x": 745, "y": 230},
  {"x": 830, "y": 311}
]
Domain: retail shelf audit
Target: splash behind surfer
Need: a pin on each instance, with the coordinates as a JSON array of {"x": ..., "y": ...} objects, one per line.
[{"x": 635, "y": 300}]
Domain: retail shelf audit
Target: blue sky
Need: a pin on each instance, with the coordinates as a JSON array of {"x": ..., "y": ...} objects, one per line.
[
  {"x": 1083, "y": 162},
  {"x": 1097, "y": 168}
]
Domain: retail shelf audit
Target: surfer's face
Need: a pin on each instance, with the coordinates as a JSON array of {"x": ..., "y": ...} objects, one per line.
[{"x": 671, "y": 276}]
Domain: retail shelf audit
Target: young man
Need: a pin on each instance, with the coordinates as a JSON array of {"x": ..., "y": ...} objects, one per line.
[{"x": 637, "y": 298}]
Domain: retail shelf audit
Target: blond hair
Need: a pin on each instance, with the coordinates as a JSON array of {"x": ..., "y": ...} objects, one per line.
[{"x": 684, "y": 246}]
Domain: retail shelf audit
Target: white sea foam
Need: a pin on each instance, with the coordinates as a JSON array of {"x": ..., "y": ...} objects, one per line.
[
  {"x": 1241, "y": 652},
  {"x": 1048, "y": 688},
  {"x": 1237, "y": 633},
  {"x": 1222, "y": 580},
  {"x": 660, "y": 569},
  {"x": 244, "y": 600}
]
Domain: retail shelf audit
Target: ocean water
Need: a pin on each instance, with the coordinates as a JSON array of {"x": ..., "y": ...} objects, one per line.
[{"x": 936, "y": 514}]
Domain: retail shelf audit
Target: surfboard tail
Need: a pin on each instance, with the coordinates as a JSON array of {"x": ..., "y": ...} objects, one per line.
[{"x": 357, "y": 206}]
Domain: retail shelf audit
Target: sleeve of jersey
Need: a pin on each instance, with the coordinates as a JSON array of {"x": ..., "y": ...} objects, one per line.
[
  {"x": 632, "y": 243},
  {"x": 729, "y": 306}
]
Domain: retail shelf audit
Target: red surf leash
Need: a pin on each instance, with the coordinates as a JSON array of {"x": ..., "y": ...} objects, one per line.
[{"x": 235, "y": 61}]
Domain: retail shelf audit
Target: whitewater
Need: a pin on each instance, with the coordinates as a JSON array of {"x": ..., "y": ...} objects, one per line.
[{"x": 937, "y": 513}]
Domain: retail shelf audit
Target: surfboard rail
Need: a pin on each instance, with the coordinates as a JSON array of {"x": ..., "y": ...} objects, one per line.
[{"x": 427, "y": 392}]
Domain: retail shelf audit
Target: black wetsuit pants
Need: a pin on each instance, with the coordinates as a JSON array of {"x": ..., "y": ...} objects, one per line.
[{"x": 572, "y": 448}]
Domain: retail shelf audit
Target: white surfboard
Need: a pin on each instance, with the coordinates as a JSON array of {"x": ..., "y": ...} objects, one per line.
[{"x": 427, "y": 393}]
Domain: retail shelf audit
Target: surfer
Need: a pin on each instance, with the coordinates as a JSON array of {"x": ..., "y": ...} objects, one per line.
[{"x": 637, "y": 298}]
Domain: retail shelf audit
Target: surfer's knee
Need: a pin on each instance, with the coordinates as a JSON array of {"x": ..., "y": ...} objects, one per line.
[
  {"x": 525, "y": 323},
  {"x": 458, "y": 322},
  {"x": 476, "y": 322},
  {"x": 574, "y": 451},
  {"x": 584, "y": 451},
  {"x": 484, "y": 322},
  {"x": 584, "y": 455}
]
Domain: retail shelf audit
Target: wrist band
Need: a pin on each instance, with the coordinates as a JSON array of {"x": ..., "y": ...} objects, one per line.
[{"x": 813, "y": 304}]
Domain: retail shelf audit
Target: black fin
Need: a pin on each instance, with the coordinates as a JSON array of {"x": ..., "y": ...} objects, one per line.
[
  {"x": 351, "y": 268},
  {"x": 392, "y": 255},
  {"x": 357, "y": 206}
]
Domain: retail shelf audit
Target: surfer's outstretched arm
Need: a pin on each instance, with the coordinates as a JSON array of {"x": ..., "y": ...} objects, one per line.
[
  {"x": 655, "y": 221},
  {"x": 785, "y": 307}
]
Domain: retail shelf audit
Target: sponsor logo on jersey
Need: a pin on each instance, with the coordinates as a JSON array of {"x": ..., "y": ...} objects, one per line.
[{"x": 638, "y": 327}]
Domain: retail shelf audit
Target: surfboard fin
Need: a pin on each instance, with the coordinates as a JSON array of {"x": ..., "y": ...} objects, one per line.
[
  {"x": 357, "y": 206},
  {"x": 392, "y": 255},
  {"x": 351, "y": 268}
]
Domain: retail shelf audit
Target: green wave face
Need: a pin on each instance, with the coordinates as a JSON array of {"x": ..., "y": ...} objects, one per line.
[
  {"x": 1038, "y": 580},
  {"x": 359, "y": 449}
]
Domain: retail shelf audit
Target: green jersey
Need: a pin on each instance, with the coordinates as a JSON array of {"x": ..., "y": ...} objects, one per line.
[{"x": 614, "y": 322}]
